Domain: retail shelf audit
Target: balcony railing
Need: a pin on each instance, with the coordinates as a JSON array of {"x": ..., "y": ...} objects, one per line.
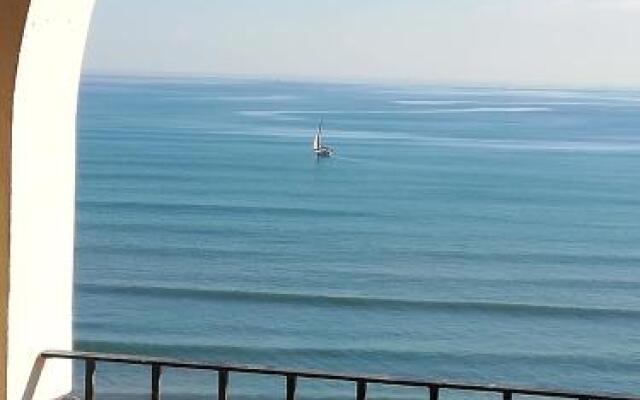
[{"x": 432, "y": 387}]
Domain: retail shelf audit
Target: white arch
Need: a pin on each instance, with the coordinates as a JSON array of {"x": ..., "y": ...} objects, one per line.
[{"x": 42, "y": 192}]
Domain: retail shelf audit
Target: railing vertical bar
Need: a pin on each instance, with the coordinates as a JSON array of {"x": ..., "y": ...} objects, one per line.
[
  {"x": 507, "y": 395},
  {"x": 361, "y": 389},
  {"x": 291, "y": 386},
  {"x": 156, "y": 372},
  {"x": 89, "y": 378},
  {"x": 223, "y": 382},
  {"x": 434, "y": 392}
]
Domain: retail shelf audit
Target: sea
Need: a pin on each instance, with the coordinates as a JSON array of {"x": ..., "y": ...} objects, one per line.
[{"x": 477, "y": 234}]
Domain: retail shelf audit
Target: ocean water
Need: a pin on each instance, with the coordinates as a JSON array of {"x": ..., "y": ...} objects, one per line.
[{"x": 477, "y": 234}]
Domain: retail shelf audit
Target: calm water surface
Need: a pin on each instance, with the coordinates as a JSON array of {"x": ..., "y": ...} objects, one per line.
[{"x": 473, "y": 234}]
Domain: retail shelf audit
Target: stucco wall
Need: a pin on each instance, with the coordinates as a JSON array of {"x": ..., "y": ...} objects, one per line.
[{"x": 42, "y": 192}]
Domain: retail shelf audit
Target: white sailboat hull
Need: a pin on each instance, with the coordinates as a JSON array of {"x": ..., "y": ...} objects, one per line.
[
  {"x": 324, "y": 152},
  {"x": 318, "y": 147}
]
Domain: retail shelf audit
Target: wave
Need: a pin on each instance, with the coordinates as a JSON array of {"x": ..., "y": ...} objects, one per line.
[
  {"x": 518, "y": 102},
  {"x": 544, "y": 93},
  {"x": 181, "y": 253},
  {"x": 433, "y": 102},
  {"x": 275, "y": 113},
  {"x": 529, "y": 145},
  {"x": 199, "y": 208},
  {"x": 627, "y": 262},
  {"x": 318, "y": 300},
  {"x": 142, "y": 176},
  {"x": 293, "y": 355},
  {"x": 617, "y": 145},
  {"x": 266, "y": 98},
  {"x": 113, "y": 228}
]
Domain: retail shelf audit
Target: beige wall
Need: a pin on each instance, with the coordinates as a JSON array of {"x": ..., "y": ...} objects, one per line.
[{"x": 12, "y": 18}]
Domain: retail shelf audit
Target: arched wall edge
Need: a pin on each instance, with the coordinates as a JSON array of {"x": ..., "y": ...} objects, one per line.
[{"x": 42, "y": 192}]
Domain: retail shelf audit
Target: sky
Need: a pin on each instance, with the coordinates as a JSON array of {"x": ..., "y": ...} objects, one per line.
[{"x": 525, "y": 42}]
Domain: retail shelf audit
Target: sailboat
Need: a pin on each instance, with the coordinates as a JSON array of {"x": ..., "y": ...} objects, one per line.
[{"x": 318, "y": 148}]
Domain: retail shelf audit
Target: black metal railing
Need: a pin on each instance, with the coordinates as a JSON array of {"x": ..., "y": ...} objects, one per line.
[{"x": 291, "y": 376}]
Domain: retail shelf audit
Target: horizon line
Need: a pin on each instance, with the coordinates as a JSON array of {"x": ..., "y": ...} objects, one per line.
[{"x": 467, "y": 84}]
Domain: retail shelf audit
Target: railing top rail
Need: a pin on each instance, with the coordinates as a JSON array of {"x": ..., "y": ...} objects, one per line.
[{"x": 315, "y": 374}]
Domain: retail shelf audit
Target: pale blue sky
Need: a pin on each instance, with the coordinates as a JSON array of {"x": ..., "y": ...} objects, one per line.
[{"x": 540, "y": 42}]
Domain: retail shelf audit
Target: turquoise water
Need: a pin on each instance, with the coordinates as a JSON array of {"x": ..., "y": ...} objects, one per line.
[{"x": 479, "y": 234}]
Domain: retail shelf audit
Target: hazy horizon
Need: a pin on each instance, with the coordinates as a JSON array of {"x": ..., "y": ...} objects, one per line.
[
  {"x": 552, "y": 43},
  {"x": 167, "y": 76}
]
